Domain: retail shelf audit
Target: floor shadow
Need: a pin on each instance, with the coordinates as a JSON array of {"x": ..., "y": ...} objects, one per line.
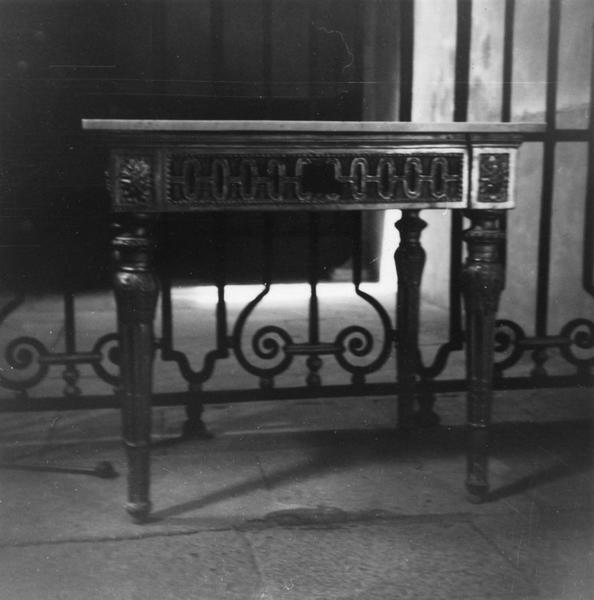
[
  {"x": 568, "y": 443},
  {"x": 533, "y": 480}
]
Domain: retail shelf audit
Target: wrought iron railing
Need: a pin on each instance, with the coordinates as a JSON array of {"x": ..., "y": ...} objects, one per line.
[{"x": 271, "y": 350}]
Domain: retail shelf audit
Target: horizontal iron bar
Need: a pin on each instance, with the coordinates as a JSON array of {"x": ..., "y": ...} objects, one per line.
[
  {"x": 549, "y": 341},
  {"x": 292, "y": 393},
  {"x": 64, "y": 358},
  {"x": 322, "y": 348},
  {"x": 559, "y": 135}
]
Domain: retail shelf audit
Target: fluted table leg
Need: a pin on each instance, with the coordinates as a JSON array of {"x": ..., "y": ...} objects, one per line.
[
  {"x": 482, "y": 283},
  {"x": 136, "y": 291},
  {"x": 410, "y": 261}
]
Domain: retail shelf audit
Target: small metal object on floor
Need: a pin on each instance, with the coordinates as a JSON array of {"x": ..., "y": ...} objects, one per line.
[{"x": 103, "y": 469}]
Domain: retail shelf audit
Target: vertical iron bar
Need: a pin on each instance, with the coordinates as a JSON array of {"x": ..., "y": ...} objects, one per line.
[
  {"x": 357, "y": 249},
  {"x": 506, "y": 96},
  {"x": 268, "y": 248},
  {"x": 71, "y": 373},
  {"x": 69, "y": 326},
  {"x": 508, "y": 48},
  {"x": 461, "y": 93},
  {"x": 588, "y": 252},
  {"x": 544, "y": 239},
  {"x": 406, "y": 59},
  {"x": 166, "y": 306},
  {"x": 221, "y": 280},
  {"x": 462, "y": 64},
  {"x": 314, "y": 362},
  {"x": 267, "y": 382},
  {"x": 313, "y": 272}
]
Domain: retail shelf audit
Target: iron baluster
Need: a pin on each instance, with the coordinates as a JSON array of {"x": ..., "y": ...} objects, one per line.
[
  {"x": 71, "y": 374},
  {"x": 313, "y": 361}
]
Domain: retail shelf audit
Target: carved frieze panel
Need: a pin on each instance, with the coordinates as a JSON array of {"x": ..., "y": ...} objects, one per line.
[
  {"x": 187, "y": 179},
  {"x": 411, "y": 177}
]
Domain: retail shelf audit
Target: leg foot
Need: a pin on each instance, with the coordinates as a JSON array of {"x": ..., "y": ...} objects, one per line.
[
  {"x": 476, "y": 495},
  {"x": 139, "y": 511}
]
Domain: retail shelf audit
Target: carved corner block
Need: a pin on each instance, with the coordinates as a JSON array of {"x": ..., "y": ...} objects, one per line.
[
  {"x": 131, "y": 182},
  {"x": 493, "y": 177}
]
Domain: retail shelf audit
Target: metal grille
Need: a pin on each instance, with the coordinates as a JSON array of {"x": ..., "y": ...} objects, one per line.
[{"x": 272, "y": 350}]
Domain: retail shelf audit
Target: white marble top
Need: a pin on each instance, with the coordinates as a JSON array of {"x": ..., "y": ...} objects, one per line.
[{"x": 168, "y": 125}]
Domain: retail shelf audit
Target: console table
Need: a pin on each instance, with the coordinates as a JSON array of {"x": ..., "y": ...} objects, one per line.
[{"x": 162, "y": 166}]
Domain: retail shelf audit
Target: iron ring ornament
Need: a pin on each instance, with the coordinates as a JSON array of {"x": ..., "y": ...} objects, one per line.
[
  {"x": 508, "y": 344},
  {"x": 107, "y": 346},
  {"x": 580, "y": 349}
]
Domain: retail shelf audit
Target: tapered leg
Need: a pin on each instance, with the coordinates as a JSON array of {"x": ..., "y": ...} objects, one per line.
[
  {"x": 410, "y": 261},
  {"x": 136, "y": 291},
  {"x": 482, "y": 282}
]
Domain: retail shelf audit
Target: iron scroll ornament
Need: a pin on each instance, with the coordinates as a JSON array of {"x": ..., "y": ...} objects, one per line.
[
  {"x": 273, "y": 343},
  {"x": 575, "y": 343},
  {"x": 22, "y": 354}
]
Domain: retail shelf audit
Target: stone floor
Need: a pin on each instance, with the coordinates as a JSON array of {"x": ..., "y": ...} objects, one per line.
[{"x": 297, "y": 499}]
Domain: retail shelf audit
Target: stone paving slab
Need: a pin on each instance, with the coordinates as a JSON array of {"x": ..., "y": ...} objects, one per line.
[
  {"x": 208, "y": 566},
  {"x": 232, "y": 479},
  {"x": 420, "y": 560},
  {"x": 424, "y": 561},
  {"x": 552, "y": 547}
]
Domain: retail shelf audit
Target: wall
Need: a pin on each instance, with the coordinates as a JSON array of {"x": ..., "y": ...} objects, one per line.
[{"x": 433, "y": 100}]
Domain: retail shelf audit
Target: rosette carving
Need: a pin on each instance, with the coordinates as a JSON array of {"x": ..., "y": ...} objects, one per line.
[{"x": 135, "y": 181}]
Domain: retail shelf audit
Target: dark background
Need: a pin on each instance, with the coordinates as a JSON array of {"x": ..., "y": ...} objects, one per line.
[{"x": 64, "y": 60}]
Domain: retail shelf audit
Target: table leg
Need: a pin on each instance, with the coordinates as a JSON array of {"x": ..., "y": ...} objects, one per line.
[
  {"x": 410, "y": 261},
  {"x": 136, "y": 291},
  {"x": 482, "y": 283}
]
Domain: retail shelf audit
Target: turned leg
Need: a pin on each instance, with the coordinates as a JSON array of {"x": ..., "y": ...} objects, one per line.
[
  {"x": 410, "y": 261},
  {"x": 136, "y": 291},
  {"x": 482, "y": 283}
]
